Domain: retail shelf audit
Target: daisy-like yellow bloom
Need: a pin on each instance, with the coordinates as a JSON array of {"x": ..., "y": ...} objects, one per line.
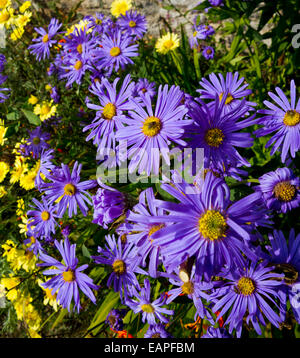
[
  {"x": 119, "y": 7},
  {"x": 17, "y": 33},
  {"x": 28, "y": 261},
  {"x": 27, "y": 180},
  {"x": 24, "y": 19},
  {"x": 4, "y": 169},
  {"x": 7, "y": 17},
  {"x": 3, "y": 130},
  {"x": 33, "y": 100},
  {"x": 19, "y": 168},
  {"x": 166, "y": 43},
  {"x": 20, "y": 207},
  {"x": 26, "y": 5},
  {"x": 45, "y": 110},
  {"x": 4, "y": 3},
  {"x": 2, "y": 191},
  {"x": 49, "y": 299},
  {"x": 11, "y": 284}
]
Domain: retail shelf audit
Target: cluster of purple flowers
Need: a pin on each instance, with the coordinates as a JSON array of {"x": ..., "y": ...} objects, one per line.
[
  {"x": 203, "y": 242},
  {"x": 4, "y": 92}
]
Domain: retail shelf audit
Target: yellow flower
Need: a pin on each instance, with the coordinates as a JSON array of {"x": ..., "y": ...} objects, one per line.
[
  {"x": 82, "y": 25},
  {"x": 17, "y": 33},
  {"x": 2, "y": 191},
  {"x": 49, "y": 299},
  {"x": 33, "y": 333},
  {"x": 4, "y": 169},
  {"x": 3, "y": 130},
  {"x": 7, "y": 17},
  {"x": 28, "y": 261},
  {"x": 9, "y": 283},
  {"x": 27, "y": 180},
  {"x": 20, "y": 167},
  {"x": 24, "y": 19},
  {"x": 23, "y": 225},
  {"x": 4, "y": 3},
  {"x": 20, "y": 207},
  {"x": 33, "y": 100},
  {"x": 45, "y": 110},
  {"x": 119, "y": 7},
  {"x": 166, "y": 43},
  {"x": 23, "y": 306},
  {"x": 25, "y": 6}
]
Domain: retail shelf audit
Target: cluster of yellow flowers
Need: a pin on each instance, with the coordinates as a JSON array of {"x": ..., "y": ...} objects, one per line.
[
  {"x": 44, "y": 109},
  {"x": 13, "y": 19},
  {"x": 21, "y": 258}
]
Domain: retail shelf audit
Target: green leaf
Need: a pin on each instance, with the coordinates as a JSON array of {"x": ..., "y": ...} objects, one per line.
[
  {"x": 107, "y": 305},
  {"x": 32, "y": 118},
  {"x": 12, "y": 116},
  {"x": 60, "y": 317},
  {"x": 85, "y": 251}
]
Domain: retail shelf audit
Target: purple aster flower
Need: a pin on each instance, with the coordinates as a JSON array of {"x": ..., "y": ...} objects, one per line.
[
  {"x": 69, "y": 278},
  {"x": 157, "y": 331},
  {"x": 110, "y": 112},
  {"x": 206, "y": 225},
  {"x": 204, "y": 31},
  {"x": 233, "y": 88},
  {"x": 115, "y": 319},
  {"x": 286, "y": 259},
  {"x": 150, "y": 310},
  {"x": 213, "y": 332},
  {"x": 250, "y": 291},
  {"x": 54, "y": 94},
  {"x": 208, "y": 52},
  {"x": 116, "y": 51},
  {"x": 2, "y": 62},
  {"x": 124, "y": 264},
  {"x": 74, "y": 69},
  {"x": 188, "y": 284},
  {"x": 42, "y": 45},
  {"x": 109, "y": 204},
  {"x": 68, "y": 190},
  {"x": 3, "y": 97},
  {"x": 42, "y": 218},
  {"x": 37, "y": 142},
  {"x": 280, "y": 190},
  {"x": 133, "y": 24},
  {"x": 66, "y": 231},
  {"x": 218, "y": 132},
  {"x": 80, "y": 42},
  {"x": 216, "y": 2},
  {"x": 142, "y": 87},
  {"x": 141, "y": 230},
  {"x": 284, "y": 119},
  {"x": 45, "y": 167},
  {"x": 149, "y": 133},
  {"x": 33, "y": 241},
  {"x": 99, "y": 23}
]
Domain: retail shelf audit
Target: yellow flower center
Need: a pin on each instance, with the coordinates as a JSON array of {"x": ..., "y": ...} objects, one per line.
[
  {"x": 98, "y": 21},
  {"x": 36, "y": 140},
  {"x": 151, "y": 126},
  {"x": 78, "y": 65},
  {"x": 291, "y": 118},
  {"x": 212, "y": 225},
  {"x": 32, "y": 239},
  {"x": 119, "y": 267},
  {"x": 132, "y": 23},
  {"x": 245, "y": 286},
  {"x": 109, "y": 111},
  {"x": 79, "y": 48},
  {"x": 68, "y": 276},
  {"x": 45, "y": 216},
  {"x": 45, "y": 109},
  {"x": 168, "y": 44},
  {"x": 214, "y": 137},
  {"x": 187, "y": 288},
  {"x": 195, "y": 33},
  {"x": 45, "y": 38},
  {"x": 284, "y": 191},
  {"x": 228, "y": 100},
  {"x": 147, "y": 308},
  {"x": 115, "y": 51},
  {"x": 69, "y": 189}
]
